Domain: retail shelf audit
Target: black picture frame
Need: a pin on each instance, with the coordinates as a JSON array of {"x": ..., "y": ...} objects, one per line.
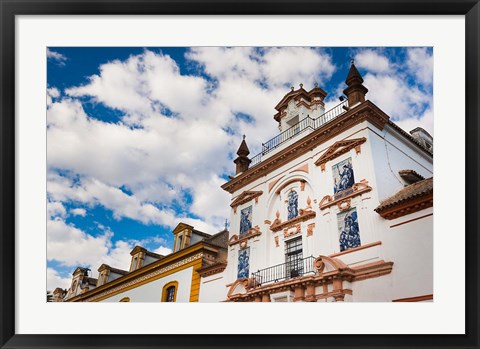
[{"x": 11, "y": 8}]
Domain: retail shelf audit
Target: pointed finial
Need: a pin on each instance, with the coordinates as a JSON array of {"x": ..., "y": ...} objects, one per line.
[
  {"x": 352, "y": 61},
  {"x": 292, "y": 88},
  {"x": 301, "y": 85},
  {"x": 244, "y": 136},
  {"x": 226, "y": 223},
  {"x": 315, "y": 84}
]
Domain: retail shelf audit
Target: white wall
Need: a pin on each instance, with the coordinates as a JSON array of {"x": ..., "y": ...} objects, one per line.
[
  {"x": 371, "y": 164},
  {"x": 213, "y": 288},
  {"x": 152, "y": 291},
  {"x": 390, "y": 155},
  {"x": 410, "y": 246}
]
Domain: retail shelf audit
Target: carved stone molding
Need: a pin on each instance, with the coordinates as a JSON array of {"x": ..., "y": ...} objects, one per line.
[
  {"x": 292, "y": 230},
  {"x": 287, "y": 183},
  {"x": 277, "y": 244},
  {"x": 310, "y": 228},
  {"x": 339, "y": 148},
  {"x": 251, "y": 233},
  {"x": 342, "y": 199},
  {"x": 212, "y": 269},
  {"x": 245, "y": 197},
  {"x": 304, "y": 216}
]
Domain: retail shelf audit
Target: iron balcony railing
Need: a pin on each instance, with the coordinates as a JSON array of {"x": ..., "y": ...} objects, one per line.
[
  {"x": 284, "y": 271},
  {"x": 305, "y": 124}
]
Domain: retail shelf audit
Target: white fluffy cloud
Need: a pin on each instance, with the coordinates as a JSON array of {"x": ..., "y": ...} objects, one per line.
[
  {"x": 420, "y": 62},
  {"x": 79, "y": 212},
  {"x": 372, "y": 61},
  {"x": 164, "y": 156},
  {"x": 408, "y": 103},
  {"x": 73, "y": 247},
  {"x": 56, "y": 56},
  {"x": 54, "y": 280}
]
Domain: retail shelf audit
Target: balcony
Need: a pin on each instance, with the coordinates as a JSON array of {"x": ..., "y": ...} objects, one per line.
[
  {"x": 304, "y": 125},
  {"x": 284, "y": 271}
]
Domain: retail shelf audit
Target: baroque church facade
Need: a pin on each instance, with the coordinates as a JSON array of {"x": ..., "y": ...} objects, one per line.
[{"x": 337, "y": 207}]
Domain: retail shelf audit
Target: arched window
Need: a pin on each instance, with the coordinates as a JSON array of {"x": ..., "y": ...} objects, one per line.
[
  {"x": 125, "y": 299},
  {"x": 170, "y": 297},
  {"x": 292, "y": 204},
  {"x": 169, "y": 293}
]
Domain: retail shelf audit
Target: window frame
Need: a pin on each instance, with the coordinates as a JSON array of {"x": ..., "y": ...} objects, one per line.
[{"x": 165, "y": 291}]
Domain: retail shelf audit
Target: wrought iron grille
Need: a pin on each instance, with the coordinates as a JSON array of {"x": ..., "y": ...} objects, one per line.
[
  {"x": 284, "y": 271},
  {"x": 305, "y": 124}
]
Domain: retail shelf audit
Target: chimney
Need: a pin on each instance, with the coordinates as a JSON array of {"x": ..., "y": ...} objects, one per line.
[{"x": 355, "y": 91}]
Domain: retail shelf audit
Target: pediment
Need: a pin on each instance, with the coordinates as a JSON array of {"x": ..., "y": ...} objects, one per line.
[
  {"x": 137, "y": 249},
  {"x": 244, "y": 197},
  {"x": 339, "y": 148},
  {"x": 182, "y": 226}
]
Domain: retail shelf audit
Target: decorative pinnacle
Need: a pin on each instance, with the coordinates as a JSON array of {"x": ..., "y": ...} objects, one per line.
[
  {"x": 226, "y": 223},
  {"x": 292, "y": 88},
  {"x": 315, "y": 84},
  {"x": 352, "y": 60},
  {"x": 301, "y": 85},
  {"x": 244, "y": 136}
]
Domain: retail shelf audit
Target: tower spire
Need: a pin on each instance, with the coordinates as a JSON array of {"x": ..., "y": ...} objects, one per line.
[
  {"x": 242, "y": 161},
  {"x": 355, "y": 91}
]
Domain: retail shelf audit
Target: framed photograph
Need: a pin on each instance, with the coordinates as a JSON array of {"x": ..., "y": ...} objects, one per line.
[{"x": 186, "y": 157}]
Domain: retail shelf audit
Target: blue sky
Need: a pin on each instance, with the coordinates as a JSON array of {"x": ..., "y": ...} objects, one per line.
[{"x": 140, "y": 139}]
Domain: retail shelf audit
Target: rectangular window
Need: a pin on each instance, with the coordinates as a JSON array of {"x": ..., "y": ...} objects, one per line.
[
  {"x": 243, "y": 263},
  {"x": 245, "y": 220},
  {"x": 293, "y": 258},
  {"x": 348, "y": 229}
]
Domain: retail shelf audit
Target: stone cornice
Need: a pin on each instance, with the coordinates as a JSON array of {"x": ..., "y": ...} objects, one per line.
[
  {"x": 212, "y": 269},
  {"x": 244, "y": 198},
  {"x": 407, "y": 207},
  {"x": 367, "y": 111},
  {"x": 235, "y": 239},
  {"x": 339, "y": 148},
  {"x": 343, "y": 201},
  {"x": 304, "y": 216}
]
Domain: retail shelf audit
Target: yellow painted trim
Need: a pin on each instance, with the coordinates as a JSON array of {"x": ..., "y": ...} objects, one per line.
[
  {"x": 175, "y": 243},
  {"x": 169, "y": 259},
  {"x": 164, "y": 291},
  {"x": 195, "y": 286},
  {"x": 173, "y": 271},
  {"x": 125, "y": 299}
]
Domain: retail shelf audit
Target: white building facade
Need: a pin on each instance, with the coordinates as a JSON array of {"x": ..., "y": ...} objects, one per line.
[{"x": 337, "y": 207}]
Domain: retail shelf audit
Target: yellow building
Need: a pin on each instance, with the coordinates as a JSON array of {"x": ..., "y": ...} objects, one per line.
[{"x": 153, "y": 277}]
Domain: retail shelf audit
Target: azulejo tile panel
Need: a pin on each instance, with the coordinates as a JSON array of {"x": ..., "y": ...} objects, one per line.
[
  {"x": 243, "y": 263},
  {"x": 348, "y": 229},
  {"x": 245, "y": 220},
  {"x": 292, "y": 204},
  {"x": 343, "y": 176}
]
